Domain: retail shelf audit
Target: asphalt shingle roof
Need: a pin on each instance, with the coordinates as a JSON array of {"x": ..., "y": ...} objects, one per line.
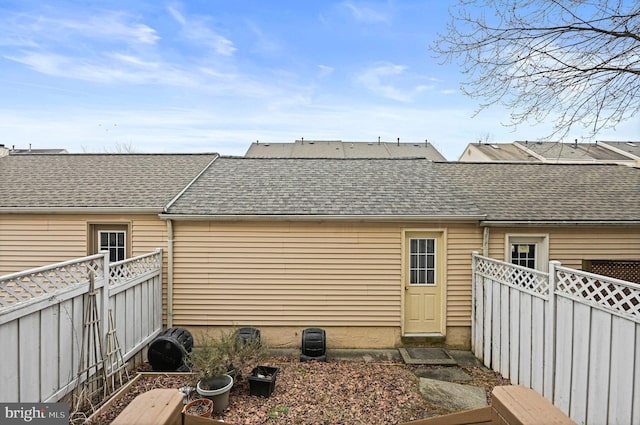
[
  {"x": 236, "y": 186},
  {"x": 96, "y": 180},
  {"x": 341, "y": 149},
  {"x": 372, "y": 187},
  {"x": 573, "y": 152},
  {"x": 414, "y": 187},
  {"x": 549, "y": 192}
]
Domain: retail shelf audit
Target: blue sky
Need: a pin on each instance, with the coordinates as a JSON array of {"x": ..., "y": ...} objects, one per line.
[{"x": 217, "y": 75}]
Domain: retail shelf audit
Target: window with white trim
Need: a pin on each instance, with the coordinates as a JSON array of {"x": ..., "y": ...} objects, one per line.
[
  {"x": 422, "y": 261},
  {"x": 115, "y": 242},
  {"x": 524, "y": 254},
  {"x": 531, "y": 251}
]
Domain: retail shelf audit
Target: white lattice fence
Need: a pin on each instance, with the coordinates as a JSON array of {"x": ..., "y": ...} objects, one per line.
[
  {"x": 615, "y": 296},
  {"x": 574, "y": 338},
  {"x": 41, "y": 320},
  {"x": 509, "y": 316},
  {"x": 597, "y": 348},
  {"x": 21, "y": 287},
  {"x": 134, "y": 268},
  {"x": 513, "y": 275}
]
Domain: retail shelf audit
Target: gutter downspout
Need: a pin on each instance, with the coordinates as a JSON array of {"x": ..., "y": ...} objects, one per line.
[
  {"x": 170, "y": 243},
  {"x": 485, "y": 241},
  {"x": 169, "y": 273}
]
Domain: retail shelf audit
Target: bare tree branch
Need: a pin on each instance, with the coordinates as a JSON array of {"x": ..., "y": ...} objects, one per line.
[{"x": 574, "y": 61}]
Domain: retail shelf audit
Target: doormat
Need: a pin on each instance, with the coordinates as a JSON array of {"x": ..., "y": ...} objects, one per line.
[{"x": 426, "y": 356}]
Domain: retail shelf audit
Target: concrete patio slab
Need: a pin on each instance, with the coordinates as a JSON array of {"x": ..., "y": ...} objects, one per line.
[{"x": 426, "y": 356}]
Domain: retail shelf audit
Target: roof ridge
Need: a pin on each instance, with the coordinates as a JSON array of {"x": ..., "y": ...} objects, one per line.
[{"x": 184, "y": 189}]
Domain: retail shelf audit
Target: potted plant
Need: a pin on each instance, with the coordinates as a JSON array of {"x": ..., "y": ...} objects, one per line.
[
  {"x": 199, "y": 407},
  {"x": 210, "y": 360},
  {"x": 244, "y": 350}
]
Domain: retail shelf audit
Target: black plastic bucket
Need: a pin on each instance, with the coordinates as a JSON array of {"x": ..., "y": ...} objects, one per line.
[
  {"x": 248, "y": 335},
  {"x": 314, "y": 345},
  {"x": 169, "y": 349}
]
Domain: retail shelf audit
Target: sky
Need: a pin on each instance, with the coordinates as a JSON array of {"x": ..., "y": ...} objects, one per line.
[{"x": 217, "y": 75}]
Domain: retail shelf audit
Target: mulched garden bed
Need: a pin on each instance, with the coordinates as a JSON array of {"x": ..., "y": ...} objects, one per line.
[{"x": 320, "y": 393}]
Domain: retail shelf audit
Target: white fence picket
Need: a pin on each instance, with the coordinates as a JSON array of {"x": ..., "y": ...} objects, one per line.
[
  {"x": 636, "y": 381},
  {"x": 525, "y": 340},
  {"x": 49, "y": 351},
  {"x": 573, "y": 337},
  {"x": 29, "y": 370},
  {"x": 41, "y": 333},
  {"x": 514, "y": 338},
  {"x": 621, "y": 393},
  {"x": 496, "y": 310},
  {"x": 580, "y": 362},
  {"x": 537, "y": 344},
  {"x": 599, "y": 363},
  {"x": 10, "y": 388},
  {"x": 505, "y": 312},
  {"x": 564, "y": 355}
]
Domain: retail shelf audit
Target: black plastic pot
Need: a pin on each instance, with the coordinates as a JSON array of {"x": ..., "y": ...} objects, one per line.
[
  {"x": 262, "y": 386},
  {"x": 246, "y": 335}
]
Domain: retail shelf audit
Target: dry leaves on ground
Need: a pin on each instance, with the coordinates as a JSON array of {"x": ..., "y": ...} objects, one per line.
[{"x": 335, "y": 392}]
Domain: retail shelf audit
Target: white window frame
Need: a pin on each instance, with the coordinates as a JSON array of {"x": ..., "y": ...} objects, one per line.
[
  {"x": 426, "y": 268},
  {"x": 108, "y": 247},
  {"x": 541, "y": 241}
]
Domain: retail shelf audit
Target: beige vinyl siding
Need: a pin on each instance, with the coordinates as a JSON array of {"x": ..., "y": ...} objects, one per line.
[
  {"x": 462, "y": 240},
  {"x": 29, "y": 241},
  {"x": 572, "y": 245},
  {"x": 285, "y": 274},
  {"x": 34, "y": 240},
  {"x": 305, "y": 274}
]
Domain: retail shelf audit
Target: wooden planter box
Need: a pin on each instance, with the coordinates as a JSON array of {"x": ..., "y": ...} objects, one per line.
[{"x": 126, "y": 387}]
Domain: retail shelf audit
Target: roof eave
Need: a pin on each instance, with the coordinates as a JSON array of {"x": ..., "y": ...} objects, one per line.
[
  {"x": 557, "y": 223},
  {"x": 323, "y": 217},
  {"x": 80, "y": 210}
]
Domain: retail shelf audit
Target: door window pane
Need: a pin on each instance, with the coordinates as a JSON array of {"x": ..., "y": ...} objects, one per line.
[{"x": 422, "y": 263}]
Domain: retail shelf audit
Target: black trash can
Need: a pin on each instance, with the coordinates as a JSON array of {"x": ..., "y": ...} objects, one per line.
[
  {"x": 314, "y": 345},
  {"x": 245, "y": 335},
  {"x": 168, "y": 351}
]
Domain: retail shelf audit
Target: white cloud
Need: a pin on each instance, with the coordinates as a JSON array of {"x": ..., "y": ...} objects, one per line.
[
  {"x": 114, "y": 25},
  {"x": 197, "y": 29},
  {"x": 365, "y": 14},
  {"x": 36, "y": 30},
  {"x": 134, "y": 61},
  {"x": 324, "y": 71},
  {"x": 263, "y": 43},
  {"x": 110, "y": 68},
  {"x": 380, "y": 80},
  {"x": 177, "y": 15}
]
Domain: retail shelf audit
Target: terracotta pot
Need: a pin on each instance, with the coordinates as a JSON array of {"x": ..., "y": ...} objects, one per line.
[{"x": 208, "y": 405}]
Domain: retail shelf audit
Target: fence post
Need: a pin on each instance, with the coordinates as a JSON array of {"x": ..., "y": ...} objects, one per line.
[
  {"x": 157, "y": 305},
  {"x": 550, "y": 335},
  {"x": 473, "y": 301}
]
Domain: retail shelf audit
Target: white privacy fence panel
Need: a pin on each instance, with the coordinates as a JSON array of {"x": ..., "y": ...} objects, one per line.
[
  {"x": 41, "y": 320},
  {"x": 509, "y": 321},
  {"x": 136, "y": 282},
  {"x": 570, "y": 335}
]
